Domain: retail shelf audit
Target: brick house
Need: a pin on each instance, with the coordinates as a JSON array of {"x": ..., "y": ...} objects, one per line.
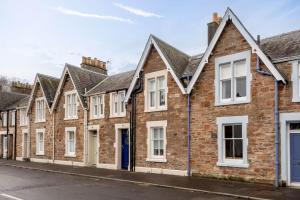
[{"x": 230, "y": 112}]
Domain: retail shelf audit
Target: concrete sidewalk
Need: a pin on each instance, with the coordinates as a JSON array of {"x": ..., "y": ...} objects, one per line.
[{"x": 197, "y": 184}]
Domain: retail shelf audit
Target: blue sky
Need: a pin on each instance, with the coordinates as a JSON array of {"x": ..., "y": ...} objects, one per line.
[{"x": 40, "y": 36}]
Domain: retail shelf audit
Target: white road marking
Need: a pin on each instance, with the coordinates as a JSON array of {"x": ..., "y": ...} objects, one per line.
[{"x": 10, "y": 196}]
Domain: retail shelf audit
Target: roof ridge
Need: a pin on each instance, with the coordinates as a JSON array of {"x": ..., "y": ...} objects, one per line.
[
  {"x": 49, "y": 76},
  {"x": 67, "y": 65},
  {"x": 280, "y": 35}
]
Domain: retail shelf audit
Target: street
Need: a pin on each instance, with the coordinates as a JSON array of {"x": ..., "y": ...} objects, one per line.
[{"x": 24, "y": 184}]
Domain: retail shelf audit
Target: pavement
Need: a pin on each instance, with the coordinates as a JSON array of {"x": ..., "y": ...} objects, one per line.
[{"x": 187, "y": 186}]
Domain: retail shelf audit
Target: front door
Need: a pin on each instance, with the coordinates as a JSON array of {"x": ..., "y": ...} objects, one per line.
[
  {"x": 295, "y": 157},
  {"x": 93, "y": 148},
  {"x": 125, "y": 149},
  {"x": 4, "y": 146},
  {"x": 25, "y": 141}
]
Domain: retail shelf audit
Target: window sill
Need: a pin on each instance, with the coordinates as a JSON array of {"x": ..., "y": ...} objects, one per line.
[
  {"x": 231, "y": 164},
  {"x": 295, "y": 99},
  {"x": 231, "y": 103},
  {"x": 74, "y": 118},
  {"x": 156, "y": 109},
  {"x": 23, "y": 125},
  {"x": 70, "y": 156},
  {"x": 97, "y": 117},
  {"x": 43, "y": 121},
  {"x": 117, "y": 116},
  {"x": 159, "y": 160},
  {"x": 39, "y": 154}
]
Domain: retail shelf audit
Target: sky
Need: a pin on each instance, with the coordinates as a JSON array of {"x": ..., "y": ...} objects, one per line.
[{"x": 41, "y": 36}]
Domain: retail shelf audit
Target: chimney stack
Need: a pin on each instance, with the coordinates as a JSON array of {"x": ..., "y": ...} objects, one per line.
[
  {"x": 213, "y": 26},
  {"x": 94, "y": 65},
  {"x": 17, "y": 86}
]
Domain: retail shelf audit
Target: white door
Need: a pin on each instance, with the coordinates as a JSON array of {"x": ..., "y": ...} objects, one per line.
[
  {"x": 4, "y": 147},
  {"x": 93, "y": 148},
  {"x": 25, "y": 142}
]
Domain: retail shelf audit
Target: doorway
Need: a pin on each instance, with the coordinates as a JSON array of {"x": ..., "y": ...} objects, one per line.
[
  {"x": 93, "y": 148},
  {"x": 25, "y": 145},
  {"x": 4, "y": 142},
  {"x": 125, "y": 149},
  {"x": 295, "y": 157},
  {"x": 122, "y": 144}
]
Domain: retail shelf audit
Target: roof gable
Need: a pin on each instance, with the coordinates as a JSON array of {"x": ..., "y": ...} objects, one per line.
[
  {"x": 175, "y": 60},
  {"x": 48, "y": 85},
  {"x": 82, "y": 80},
  {"x": 229, "y": 15}
]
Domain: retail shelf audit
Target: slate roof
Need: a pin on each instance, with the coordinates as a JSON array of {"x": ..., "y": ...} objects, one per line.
[
  {"x": 191, "y": 68},
  {"x": 84, "y": 80},
  {"x": 8, "y": 99},
  {"x": 115, "y": 82},
  {"x": 49, "y": 85},
  {"x": 21, "y": 103},
  {"x": 282, "y": 47}
]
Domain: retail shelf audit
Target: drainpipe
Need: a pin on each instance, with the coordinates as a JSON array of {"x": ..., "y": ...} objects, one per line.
[
  {"x": 276, "y": 116},
  {"x": 15, "y": 142},
  {"x": 189, "y": 137},
  {"x": 85, "y": 135},
  {"x": 53, "y": 136},
  {"x": 7, "y": 130}
]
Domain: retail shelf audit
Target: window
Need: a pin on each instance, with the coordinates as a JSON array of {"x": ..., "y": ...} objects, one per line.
[
  {"x": 13, "y": 118},
  {"x": 70, "y": 140},
  {"x": 156, "y": 141},
  {"x": 155, "y": 91},
  {"x": 23, "y": 117},
  {"x": 40, "y": 141},
  {"x": 233, "y": 79},
  {"x": 71, "y": 105},
  {"x": 117, "y": 104},
  {"x": 232, "y": 141},
  {"x": 296, "y": 81},
  {"x": 4, "y": 119},
  {"x": 40, "y": 110},
  {"x": 97, "y": 105}
]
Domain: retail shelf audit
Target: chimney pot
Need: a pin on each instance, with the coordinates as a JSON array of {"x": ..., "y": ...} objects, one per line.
[{"x": 94, "y": 64}]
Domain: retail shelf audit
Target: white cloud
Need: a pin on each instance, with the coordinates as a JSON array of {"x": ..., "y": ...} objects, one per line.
[
  {"x": 137, "y": 11},
  {"x": 90, "y": 15}
]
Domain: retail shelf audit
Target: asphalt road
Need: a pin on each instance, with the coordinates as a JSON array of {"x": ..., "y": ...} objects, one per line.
[{"x": 24, "y": 184}]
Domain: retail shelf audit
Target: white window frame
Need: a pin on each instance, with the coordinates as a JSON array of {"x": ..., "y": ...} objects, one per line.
[
  {"x": 100, "y": 100},
  {"x": 13, "y": 118},
  {"x": 40, "y": 117},
  {"x": 67, "y": 116},
  {"x": 67, "y": 152},
  {"x": 155, "y": 76},
  {"x": 4, "y": 119},
  {"x": 117, "y": 111},
  {"x": 295, "y": 78},
  {"x": 231, "y": 120},
  {"x": 23, "y": 117},
  {"x": 150, "y": 156},
  {"x": 245, "y": 55},
  {"x": 37, "y": 142}
]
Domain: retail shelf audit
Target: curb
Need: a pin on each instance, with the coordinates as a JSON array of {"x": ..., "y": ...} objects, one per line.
[{"x": 140, "y": 182}]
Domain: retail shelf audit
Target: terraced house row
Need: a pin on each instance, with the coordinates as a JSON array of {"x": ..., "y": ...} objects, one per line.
[{"x": 230, "y": 112}]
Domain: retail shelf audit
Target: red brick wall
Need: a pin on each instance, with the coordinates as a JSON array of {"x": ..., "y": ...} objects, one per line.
[
  {"x": 61, "y": 124},
  {"x": 260, "y": 111}
]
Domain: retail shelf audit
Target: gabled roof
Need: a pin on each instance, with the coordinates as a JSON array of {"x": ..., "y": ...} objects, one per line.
[
  {"x": 175, "y": 60},
  {"x": 82, "y": 79},
  {"x": 283, "y": 47},
  {"x": 229, "y": 15},
  {"x": 8, "y": 99},
  {"x": 22, "y": 103},
  {"x": 48, "y": 86},
  {"x": 112, "y": 83}
]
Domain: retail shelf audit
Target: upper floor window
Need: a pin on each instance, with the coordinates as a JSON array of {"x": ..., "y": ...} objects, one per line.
[
  {"x": 40, "y": 110},
  {"x": 156, "y": 91},
  {"x": 296, "y": 80},
  {"x": 4, "y": 119},
  {"x": 13, "y": 118},
  {"x": 233, "y": 78},
  {"x": 117, "y": 104},
  {"x": 232, "y": 141},
  {"x": 23, "y": 117},
  {"x": 97, "y": 106},
  {"x": 71, "y": 105}
]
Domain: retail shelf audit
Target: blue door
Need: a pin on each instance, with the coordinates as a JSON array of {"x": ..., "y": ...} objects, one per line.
[
  {"x": 125, "y": 149},
  {"x": 295, "y": 157}
]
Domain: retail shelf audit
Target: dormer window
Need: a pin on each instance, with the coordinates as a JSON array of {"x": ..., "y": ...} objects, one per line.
[
  {"x": 233, "y": 79},
  {"x": 40, "y": 110},
  {"x": 156, "y": 91},
  {"x": 71, "y": 105}
]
